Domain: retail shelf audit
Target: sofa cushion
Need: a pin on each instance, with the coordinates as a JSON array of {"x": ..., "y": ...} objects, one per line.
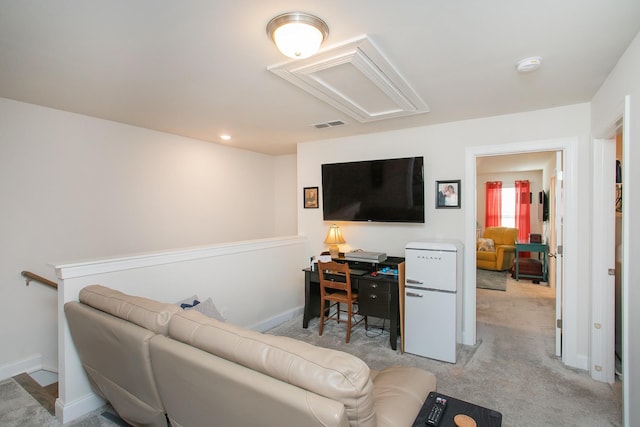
[
  {"x": 329, "y": 373},
  {"x": 144, "y": 312},
  {"x": 209, "y": 309},
  {"x": 188, "y": 302},
  {"x": 486, "y": 256}
]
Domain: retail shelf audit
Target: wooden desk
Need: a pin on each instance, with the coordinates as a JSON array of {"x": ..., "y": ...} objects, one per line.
[
  {"x": 378, "y": 298},
  {"x": 541, "y": 248}
]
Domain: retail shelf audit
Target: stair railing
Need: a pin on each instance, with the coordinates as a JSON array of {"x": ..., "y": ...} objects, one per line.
[{"x": 29, "y": 276}]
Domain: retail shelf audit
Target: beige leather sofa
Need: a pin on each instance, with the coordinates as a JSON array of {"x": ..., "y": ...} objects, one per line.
[{"x": 157, "y": 365}]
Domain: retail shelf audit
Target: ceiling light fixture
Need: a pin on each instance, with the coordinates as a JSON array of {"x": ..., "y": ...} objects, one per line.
[
  {"x": 529, "y": 64},
  {"x": 296, "y": 34}
]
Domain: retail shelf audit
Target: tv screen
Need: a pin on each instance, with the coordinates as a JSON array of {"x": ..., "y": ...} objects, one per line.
[{"x": 390, "y": 190}]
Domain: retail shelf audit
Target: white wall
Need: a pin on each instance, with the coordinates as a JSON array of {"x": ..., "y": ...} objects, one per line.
[
  {"x": 443, "y": 147},
  {"x": 285, "y": 197},
  {"x": 75, "y": 187},
  {"x": 607, "y": 106}
]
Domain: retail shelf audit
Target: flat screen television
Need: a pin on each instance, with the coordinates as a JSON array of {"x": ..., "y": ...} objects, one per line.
[{"x": 389, "y": 190}]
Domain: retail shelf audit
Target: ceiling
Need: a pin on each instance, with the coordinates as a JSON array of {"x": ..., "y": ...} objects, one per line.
[{"x": 200, "y": 68}]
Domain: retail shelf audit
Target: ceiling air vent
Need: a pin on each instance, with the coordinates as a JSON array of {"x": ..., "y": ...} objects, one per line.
[{"x": 329, "y": 124}]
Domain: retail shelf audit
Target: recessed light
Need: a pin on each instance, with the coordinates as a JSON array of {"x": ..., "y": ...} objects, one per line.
[
  {"x": 225, "y": 137},
  {"x": 529, "y": 64}
]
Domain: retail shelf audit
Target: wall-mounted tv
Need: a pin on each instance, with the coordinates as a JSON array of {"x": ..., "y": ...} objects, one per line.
[{"x": 389, "y": 190}]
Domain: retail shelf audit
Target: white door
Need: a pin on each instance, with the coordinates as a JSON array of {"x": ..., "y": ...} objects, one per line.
[
  {"x": 603, "y": 266},
  {"x": 556, "y": 216}
]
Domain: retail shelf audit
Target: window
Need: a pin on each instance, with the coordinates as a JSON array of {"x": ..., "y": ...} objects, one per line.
[{"x": 508, "y": 207}]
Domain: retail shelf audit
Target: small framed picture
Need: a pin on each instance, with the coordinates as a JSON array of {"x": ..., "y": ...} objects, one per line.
[
  {"x": 311, "y": 198},
  {"x": 448, "y": 194}
]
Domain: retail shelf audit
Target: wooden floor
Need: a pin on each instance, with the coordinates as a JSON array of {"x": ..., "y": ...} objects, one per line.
[{"x": 46, "y": 396}]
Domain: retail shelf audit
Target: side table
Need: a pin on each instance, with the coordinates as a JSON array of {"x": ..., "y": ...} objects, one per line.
[
  {"x": 540, "y": 248},
  {"x": 484, "y": 417}
]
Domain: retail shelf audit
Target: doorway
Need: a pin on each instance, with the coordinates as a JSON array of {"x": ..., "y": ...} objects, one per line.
[
  {"x": 568, "y": 294},
  {"x": 541, "y": 171}
]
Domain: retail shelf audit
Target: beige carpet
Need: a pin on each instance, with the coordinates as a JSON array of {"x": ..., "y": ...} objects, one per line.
[
  {"x": 512, "y": 368},
  {"x": 19, "y": 409}
]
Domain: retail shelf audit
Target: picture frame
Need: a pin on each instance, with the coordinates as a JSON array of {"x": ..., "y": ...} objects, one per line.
[
  {"x": 448, "y": 194},
  {"x": 310, "y": 197}
]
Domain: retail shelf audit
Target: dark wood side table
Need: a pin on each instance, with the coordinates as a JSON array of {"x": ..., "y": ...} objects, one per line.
[
  {"x": 378, "y": 298},
  {"x": 484, "y": 417}
]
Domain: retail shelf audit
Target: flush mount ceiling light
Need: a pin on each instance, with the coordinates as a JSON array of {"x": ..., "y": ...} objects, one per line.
[
  {"x": 529, "y": 64},
  {"x": 296, "y": 34}
]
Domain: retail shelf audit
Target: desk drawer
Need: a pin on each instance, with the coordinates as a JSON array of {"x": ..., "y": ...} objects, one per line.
[{"x": 374, "y": 299}]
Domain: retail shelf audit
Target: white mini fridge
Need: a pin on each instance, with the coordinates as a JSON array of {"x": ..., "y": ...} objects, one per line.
[{"x": 433, "y": 281}]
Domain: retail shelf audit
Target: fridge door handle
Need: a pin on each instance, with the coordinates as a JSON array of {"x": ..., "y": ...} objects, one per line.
[
  {"x": 413, "y": 294},
  {"x": 415, "y": 281}
]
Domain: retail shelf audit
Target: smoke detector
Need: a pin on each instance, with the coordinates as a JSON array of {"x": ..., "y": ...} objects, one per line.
[{"x": 529, "y": 64}]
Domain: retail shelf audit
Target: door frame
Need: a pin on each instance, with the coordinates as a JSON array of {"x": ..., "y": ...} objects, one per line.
[
  {"x": 556, "y": 226},
  {"x": 569, "y": 148}
]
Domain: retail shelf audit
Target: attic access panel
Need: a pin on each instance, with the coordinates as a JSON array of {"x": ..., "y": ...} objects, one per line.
[{"x": 356, "y": 79}]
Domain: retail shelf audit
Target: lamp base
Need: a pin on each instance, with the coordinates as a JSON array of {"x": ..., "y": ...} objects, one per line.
[{"x": 334, "y": 250}]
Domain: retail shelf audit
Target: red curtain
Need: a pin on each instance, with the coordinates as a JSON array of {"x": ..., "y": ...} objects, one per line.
[
  {"x": 493, "y": 204},
  {"x": 523, "y": 212}
]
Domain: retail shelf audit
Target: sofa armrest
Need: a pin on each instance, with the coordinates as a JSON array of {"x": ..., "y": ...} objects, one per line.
[{"x": 400, "y": 392}]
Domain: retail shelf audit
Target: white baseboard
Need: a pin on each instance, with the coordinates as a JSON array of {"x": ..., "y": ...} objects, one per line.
[
  {"x": 68, "y": 412},
  {"x": 30, "y": 364},
  {"x": 274, "y": 321}
]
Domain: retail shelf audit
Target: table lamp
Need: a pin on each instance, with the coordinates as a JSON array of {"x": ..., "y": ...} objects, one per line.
[{"x": 334, "y": 237}]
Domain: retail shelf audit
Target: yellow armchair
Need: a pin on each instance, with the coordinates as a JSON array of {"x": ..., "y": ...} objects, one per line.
[{"x": 500, "y": 255}]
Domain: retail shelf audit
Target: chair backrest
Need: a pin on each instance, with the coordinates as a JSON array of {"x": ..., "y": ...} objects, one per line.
[
  {"x": 334, "y": 275},
  {"x": 501, "y": 235}
]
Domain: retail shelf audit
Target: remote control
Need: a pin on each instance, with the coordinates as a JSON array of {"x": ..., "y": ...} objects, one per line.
[{"x": 435, "y": 414}]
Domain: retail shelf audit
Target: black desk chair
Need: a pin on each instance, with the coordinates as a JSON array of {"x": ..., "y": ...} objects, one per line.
[{"x": 335, "y": 287}]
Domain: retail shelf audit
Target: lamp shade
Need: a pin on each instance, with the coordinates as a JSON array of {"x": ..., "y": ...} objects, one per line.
[
  {"x": 297, "y": 35},
  {"x": 334, "y": 237}
]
